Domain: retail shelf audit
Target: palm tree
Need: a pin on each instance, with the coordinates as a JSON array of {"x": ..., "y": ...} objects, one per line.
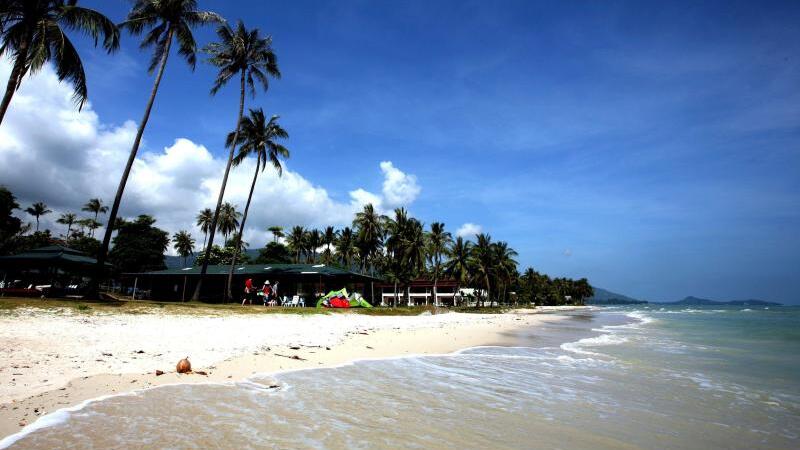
[
  {"x": 306, "y": 244},
  {"x": 67, "y": 219},
  {"x": 37, "y": 210},
  {"x": 396, "y": 231},
  {"x": 257, "y": 137},
  {"x": 237, "y": 243},
  {"x": 505, "y": 266},
  {"x": 314, "y": 241},
  {"x": 89, "y": 223},
  {"x": 184, "y": 244},
  {"x": 483, "y": 260},
  {"x": 345, "y": 247},
  {"x": 277, "y": 232},
  {"x": 326, "y": 257},
  {"x": 95, "y": 205},
  {"x": 228, "y": 220},
  {"x": 328, "y": 236},
  {"x": 33, "y": 34},
  {"x": 458, "y": 266},
  {"x": 438, "y": 240},
  {"x": 414, "y": 251},
  {"x": 166, "y": 20},
  {"x": 246, "y": 53},
  {"x": 370, "y": 233},
  {"x": 204, "y": 222},
  {"x": 295, "y": 241}
]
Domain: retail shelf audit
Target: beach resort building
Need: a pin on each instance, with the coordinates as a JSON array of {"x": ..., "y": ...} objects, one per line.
[
  {"x": 52, "y": 271},
  {"x": 307, "y": 281},
  {"x": 420, "y": 292}
]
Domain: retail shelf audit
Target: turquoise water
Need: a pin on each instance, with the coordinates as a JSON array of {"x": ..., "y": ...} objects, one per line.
[{"x": 647, "y": 377}]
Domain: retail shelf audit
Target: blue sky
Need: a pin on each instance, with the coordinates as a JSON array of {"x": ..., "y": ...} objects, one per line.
[{"x": 651, "y": 147}]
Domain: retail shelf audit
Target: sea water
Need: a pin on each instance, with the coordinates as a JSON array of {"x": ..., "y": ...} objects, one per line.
[{"x": 648, "y": 377}]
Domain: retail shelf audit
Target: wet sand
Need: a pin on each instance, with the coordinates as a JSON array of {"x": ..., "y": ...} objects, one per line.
[{"x": 56, "y": 360}]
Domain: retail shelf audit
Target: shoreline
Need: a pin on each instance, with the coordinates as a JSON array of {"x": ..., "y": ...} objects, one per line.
[{"x": 360, "y": 338}]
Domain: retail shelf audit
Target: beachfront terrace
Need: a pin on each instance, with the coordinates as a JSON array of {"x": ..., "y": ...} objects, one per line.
[{"x": 308, "y": 281}]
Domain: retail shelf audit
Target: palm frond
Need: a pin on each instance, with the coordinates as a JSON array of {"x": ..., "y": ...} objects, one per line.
[
  {"x": 187, "y": 46},
  {"x": 195, "y": 18},
  {"x": 69, "y": 67},
  {"x": 153, "y": 36},
  {"x": 158, "y": 52},
  {"x": 92, "y": 23}
]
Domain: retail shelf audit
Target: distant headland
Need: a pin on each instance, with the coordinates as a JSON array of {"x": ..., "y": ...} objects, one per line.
[{"x": 606, "y": 297}]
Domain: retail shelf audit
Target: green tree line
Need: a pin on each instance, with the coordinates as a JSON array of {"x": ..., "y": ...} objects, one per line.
[{"x": 37, "y": 32}]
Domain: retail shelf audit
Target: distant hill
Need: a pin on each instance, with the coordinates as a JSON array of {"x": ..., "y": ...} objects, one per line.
[
  {"x": 176, "y": 262},
  {"x": 704, "y": 301},
  {"x": 604, "y": 297}
]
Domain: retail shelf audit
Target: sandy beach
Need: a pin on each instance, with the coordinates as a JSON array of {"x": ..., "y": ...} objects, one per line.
[{"x": 57, "y": 358}]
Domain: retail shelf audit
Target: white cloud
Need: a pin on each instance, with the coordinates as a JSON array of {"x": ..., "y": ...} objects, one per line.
[
  {"x": 399, "y": 188},
  {"x": 468, "y": 230},
  {"x": 50, "y": 152}
]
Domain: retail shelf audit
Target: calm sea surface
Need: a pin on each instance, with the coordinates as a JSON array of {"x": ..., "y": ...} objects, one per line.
[{"x": 631, "y": 377}]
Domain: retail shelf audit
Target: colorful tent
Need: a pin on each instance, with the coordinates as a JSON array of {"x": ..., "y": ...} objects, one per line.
[{"x": 341, "y": 299}]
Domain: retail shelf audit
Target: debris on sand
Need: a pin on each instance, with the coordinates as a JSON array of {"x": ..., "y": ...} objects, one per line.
[
  {"x": 184, "y": 366},
  {"x": 291, "y": 357}
]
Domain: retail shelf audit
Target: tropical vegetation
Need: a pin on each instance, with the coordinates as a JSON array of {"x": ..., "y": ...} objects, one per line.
[
  {"x": 258, "y": 137},
  {"x": 162, "y": 22},
  {"x": 33, "y": 33},
  {"x": 395, "y": 246},
  {"x": 247, "y": 54}
]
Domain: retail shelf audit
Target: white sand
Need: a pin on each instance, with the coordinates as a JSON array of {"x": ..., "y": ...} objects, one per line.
[{"x": 55, "y": 358}]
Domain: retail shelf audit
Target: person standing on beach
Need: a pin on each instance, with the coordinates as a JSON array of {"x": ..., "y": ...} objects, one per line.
[
  {"x": 248, "y": 289},
  {"x": 267, "y": 292}
]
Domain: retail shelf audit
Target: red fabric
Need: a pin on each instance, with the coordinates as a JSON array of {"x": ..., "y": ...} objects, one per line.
[
  {"x": 248, "y": 284},
  {"x": 267, "y": 290},
  {"x": 338, "y": 302}
]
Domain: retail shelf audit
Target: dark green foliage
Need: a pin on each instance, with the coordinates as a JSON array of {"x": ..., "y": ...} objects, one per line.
[
  {"x": 36, "y": 240},
  {"x": 33, "y": 33},
  {"x": 139, "y": 246},
  {"x": 274, "y": 252},
  {"x": 221, "y": 255},
  {"x": 10, "y": 226},
  {"x": 542, "y": 290},
  {"x": 85, "y": 244}
]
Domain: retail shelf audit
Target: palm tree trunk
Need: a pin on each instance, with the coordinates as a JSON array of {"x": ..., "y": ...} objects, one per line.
[
  {"x": 435, "y": 280},
  {"x": 196, "y": 295},
  {"x": 14, "y": 79},
  {"x": 112, "y": 217},
  {"x": 241, "y": 225},
  {"x": 488, "y": 291},
  {"x": 37, "y": 223}
]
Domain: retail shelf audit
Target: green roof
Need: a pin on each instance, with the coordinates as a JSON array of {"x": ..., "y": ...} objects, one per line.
[
  {"x": 262, "y": 269},
  {"x": 53, "y": 254}
]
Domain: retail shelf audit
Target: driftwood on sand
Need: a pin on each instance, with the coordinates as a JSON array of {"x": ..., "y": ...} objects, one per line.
[{"x": 290, "y": 357}]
